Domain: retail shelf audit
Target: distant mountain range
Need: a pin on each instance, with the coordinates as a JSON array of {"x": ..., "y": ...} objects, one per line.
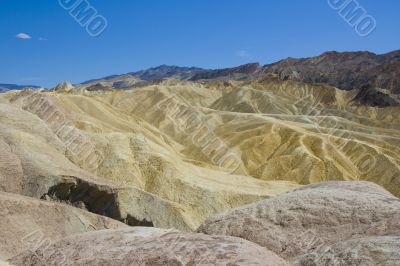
[
  {"x": 376, "y": 78},
  {"x": 174, "y": 72},
  {"x": 8, "y": 87}
]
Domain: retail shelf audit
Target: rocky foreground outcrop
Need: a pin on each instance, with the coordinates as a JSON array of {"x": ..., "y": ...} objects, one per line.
[
  {"x": 370, "y": 251},
  {"x": 314, "y": 217},
  {"x": 149, "y": 246},
  {"x": 327, "y": 224},
  {"x": 27, "y": 223}
]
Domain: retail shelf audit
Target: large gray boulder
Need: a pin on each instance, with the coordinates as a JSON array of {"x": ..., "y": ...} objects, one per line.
[
  {"x": 149, "y": 246},
  {"x": 311, "y": 217}
]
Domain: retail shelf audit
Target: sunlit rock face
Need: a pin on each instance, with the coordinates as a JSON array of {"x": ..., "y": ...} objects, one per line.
[
  {"x": 316, "y": 223},
  {"x": 384, "y": 250},
  {"x": 150, "y": 246}
]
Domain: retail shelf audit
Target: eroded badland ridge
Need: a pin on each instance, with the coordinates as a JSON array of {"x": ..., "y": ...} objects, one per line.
[{"x": 188, "y": 148}]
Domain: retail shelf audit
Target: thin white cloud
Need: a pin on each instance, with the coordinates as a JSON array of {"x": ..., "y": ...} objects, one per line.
[
  {"x": 42, "y": 39},
  {"x": 23, "y": 36},
  {"x": 242, "y": 53}
]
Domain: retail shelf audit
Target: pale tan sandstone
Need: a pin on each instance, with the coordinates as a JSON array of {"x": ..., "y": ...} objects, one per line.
[
  {"x": 149, "y": 246},
  {"x": 371, "y": 251},
  {"x": 301, "y": 221},
  {"x": 28, "y": 223}
]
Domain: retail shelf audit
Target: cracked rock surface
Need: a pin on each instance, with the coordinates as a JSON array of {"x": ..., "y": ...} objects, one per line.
[
  {"x": 299, "y": 222},
  {"x": 370, "y": 251},
  {"x": 150, "y": 246}
]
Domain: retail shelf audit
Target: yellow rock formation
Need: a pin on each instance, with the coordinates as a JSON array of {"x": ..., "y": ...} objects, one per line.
[{"x": 175, "y": 153}]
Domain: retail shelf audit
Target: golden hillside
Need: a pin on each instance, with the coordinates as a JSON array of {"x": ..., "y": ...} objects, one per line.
[{"x": 175, "y": 153}]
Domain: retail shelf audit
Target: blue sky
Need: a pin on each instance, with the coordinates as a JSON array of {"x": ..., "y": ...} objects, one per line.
[{"x": 203, "y": 33}]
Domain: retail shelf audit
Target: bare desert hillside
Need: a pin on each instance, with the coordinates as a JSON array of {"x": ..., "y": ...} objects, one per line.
[
  {"x": 184, "y": 155},
  {"x": 174, "y": 153}
]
